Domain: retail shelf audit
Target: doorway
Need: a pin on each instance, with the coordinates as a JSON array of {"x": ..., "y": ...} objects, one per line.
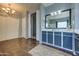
[{"x": 33, "y": 25}]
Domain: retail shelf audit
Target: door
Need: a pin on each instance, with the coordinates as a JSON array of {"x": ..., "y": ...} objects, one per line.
[
  {"x": 43, "y": 36},
  {"x": 33, "y": 25},
  {"x": 57, "y": 38},
  {"x": 67, "y": 40},
  {"x": 50, "y": 37}
]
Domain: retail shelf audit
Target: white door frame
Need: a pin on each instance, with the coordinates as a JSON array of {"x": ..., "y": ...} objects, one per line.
[
  {"x": 38, "y": 25},
  {"x": 29, "y": 25}
]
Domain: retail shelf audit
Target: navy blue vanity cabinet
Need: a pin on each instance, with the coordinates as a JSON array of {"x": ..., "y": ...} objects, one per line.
[
  {"x": 67, "y": 40},
  {"x": 50, "y": 37},
  {"x": 43, "y": 36},
  {"x": 57, "y": 38},
  {"x": 77, "y": 43}
]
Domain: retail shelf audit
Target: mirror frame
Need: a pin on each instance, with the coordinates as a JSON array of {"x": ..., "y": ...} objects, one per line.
[{"x": 70, "y": 24}]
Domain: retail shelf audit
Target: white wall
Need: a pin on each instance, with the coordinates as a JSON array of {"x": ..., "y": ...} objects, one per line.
[
  {"x": 25, "y": 25},
  {"x": 16, "y": 27},
  {"x": 9, "y": 28},
  {"x": 38, "y": 25}
]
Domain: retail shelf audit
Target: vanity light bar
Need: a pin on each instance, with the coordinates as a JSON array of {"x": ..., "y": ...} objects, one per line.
[
  {"x": 59, "y": 12},
  {"x": 55, "y": 13},
  {"x": 52, "y": 14}
]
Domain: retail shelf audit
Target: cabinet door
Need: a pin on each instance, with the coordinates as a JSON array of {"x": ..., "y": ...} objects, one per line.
[
  {"x": 76, "y": 44},
  {"x": 57, "y": 38},
  {"x": 44, "y": 36},
  {"x": 50, "y": 37},
  {"x": 67, "y": 42}
]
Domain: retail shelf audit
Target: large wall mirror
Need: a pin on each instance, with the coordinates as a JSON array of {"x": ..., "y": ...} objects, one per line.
[{"x": 58, "y": 20}]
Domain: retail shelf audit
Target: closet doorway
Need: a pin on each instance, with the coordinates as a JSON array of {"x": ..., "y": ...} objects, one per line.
[{"x": 33, "y": 25}]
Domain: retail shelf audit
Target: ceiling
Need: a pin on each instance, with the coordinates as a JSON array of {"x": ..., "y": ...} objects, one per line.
[
  {"x": 21, "y": 7},
  {"x": 47, "y": 4}
]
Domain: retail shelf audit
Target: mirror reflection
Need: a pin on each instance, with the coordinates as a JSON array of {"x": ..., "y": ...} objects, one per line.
[{"x": 58, "y": 19}]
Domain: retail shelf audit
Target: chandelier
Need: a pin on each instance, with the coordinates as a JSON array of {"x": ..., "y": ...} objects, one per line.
[{"x": 8, "y": 10}]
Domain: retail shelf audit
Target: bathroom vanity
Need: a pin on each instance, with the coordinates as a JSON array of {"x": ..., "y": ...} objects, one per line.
[{"x": 59, "y": 31}]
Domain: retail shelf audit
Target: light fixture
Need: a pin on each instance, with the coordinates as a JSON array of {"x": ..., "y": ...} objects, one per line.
[
  {"x": 13, "y": 11},
  {"x": 59, "y": 11},
  {"x": 56, "y": 13},
  {"x": 52, "y": 14},
  {"x": 8, "y": 10},
  {"x": 3, "y": 9}
]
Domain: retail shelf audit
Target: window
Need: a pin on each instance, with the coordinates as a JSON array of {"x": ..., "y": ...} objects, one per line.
[{"x": 62, "y": 24}]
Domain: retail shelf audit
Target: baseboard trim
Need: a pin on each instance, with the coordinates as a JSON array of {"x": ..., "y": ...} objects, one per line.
[
  {"x": 13, "y": 38},
  {"x": 60, "y": 49}
]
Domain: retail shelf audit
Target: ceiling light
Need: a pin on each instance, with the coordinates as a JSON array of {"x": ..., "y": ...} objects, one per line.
[
  {"x": 8, "y": 8},
  {"x": 13, "y": 11},
  {"x": 3, "y": 9}
]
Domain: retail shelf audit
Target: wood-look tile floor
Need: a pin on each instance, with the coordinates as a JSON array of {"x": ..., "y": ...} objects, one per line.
[{"x": 17, "y": 47}]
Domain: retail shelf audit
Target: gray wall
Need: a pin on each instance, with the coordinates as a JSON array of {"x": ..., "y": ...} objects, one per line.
[
  {"x": 42, "y": 12},
  {"x": 58, "y": 6},
  {"x": 76, "y": 18}
]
